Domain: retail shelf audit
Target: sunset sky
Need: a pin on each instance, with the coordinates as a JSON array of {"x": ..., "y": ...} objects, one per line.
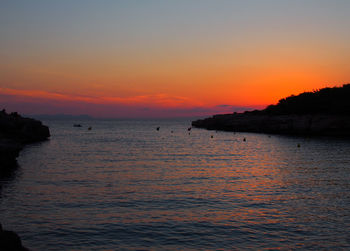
[{"x": 168, "y": 58}]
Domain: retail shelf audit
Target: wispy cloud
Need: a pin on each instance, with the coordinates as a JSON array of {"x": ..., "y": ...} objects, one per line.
[
  {"x": 156, "y": 105},
  {"x": 160, "y": 99}
]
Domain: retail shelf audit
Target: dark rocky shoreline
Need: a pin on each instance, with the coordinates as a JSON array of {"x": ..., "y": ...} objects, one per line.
[
  {"x": 16, "y": 132},
  {"x": 306, "y": 125},
  {"x": 324, "y": 112}
]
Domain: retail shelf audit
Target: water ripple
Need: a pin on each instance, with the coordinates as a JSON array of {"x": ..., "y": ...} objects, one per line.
[{"x": 126, "y": 186}]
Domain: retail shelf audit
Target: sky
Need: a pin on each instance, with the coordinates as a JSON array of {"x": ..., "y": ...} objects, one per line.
[{"x": 162, "y": 58}]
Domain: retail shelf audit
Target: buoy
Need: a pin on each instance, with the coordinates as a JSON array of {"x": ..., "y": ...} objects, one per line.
[
  {"x": 172, "y": 131},
  {"x": 189, "y": 129},
  {"x": 244, "y": 140},
  {"x": 298, "y": 145},
  {"x": 211, "y": 136},
  {"x": 89, "y": 128},
  {"x": 158, "y": 128}
]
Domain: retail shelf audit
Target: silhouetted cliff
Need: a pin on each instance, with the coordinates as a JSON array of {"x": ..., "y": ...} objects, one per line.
[
  {"x": 15, "y": 132},
  {"x": 322, "y": 112}
]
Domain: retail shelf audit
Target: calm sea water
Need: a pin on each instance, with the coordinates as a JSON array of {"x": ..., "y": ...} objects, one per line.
[{"x": 125, "y": 185}]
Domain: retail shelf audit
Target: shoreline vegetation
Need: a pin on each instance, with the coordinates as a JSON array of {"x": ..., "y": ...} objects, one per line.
[
  {"x": 16, "y": 132},
  {"x": 324, "y": 112}
]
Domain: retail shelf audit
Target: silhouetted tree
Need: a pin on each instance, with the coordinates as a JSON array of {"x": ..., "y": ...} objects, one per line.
[{"x": 328, "y": 100}]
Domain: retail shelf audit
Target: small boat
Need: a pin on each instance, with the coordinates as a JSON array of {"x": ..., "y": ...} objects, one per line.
[
  {"x": 77, "y": 125},
  {"x": 89, "y": 128}
]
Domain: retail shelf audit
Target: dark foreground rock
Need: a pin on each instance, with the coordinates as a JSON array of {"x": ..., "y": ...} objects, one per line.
[
  {"x": 9, "y": 151},
  {"x": 15, "y": 132},
  {"x": 322, "y": 112},
  {"x": 10, "y": 241}
]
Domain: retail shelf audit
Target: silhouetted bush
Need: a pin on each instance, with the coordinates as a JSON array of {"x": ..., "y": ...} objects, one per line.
[{"x": 335, "y": 100}]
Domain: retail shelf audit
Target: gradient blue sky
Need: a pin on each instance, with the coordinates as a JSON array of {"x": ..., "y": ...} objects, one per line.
[{"x": 140, "y": 57}]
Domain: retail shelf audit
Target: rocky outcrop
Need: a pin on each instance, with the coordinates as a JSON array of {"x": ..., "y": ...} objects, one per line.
[
  {"x": 312, "y": 124},
  {"x": 10, "y": 241},
  {"x": 322, "y": 112},
  {"x": 15, "y": 132},
  {"x": 9, "y": 151}
]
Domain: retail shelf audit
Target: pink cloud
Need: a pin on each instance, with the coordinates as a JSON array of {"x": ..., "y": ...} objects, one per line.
[
  {"x": 150, "y": 100},
  {"x": 157, "y": 105}
]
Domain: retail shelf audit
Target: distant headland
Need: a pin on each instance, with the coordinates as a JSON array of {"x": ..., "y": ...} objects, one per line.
[
  {"x": 61, "y": 117},
  {"x": 322, "y": 112}
]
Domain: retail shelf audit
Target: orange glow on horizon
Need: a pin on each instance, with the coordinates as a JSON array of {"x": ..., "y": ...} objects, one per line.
[
  {"x": 184, "y": 82},
  {"x": 162, "y": 100},
  {"x": 211, "y": 55}
]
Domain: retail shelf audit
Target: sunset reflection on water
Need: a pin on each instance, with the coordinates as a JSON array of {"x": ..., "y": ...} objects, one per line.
[{"x": 124, "y": 185}]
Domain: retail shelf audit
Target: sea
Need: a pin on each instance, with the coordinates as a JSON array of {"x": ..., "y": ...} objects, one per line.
[{"x": 124, "y": 185}]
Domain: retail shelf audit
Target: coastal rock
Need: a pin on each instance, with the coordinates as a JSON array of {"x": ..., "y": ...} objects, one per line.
[
  {"x": 15, "y": 132},
  {"x": 10, "y": 241},
  {"x": 326, "y": 125},
  {"x": 323, "y": 112},
  {"x": 22, "y": 130},
  {"x": 9, "y": 151}
]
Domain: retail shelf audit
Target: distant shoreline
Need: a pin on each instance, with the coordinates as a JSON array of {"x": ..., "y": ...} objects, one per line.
[{"x": 306, "y": 125}]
